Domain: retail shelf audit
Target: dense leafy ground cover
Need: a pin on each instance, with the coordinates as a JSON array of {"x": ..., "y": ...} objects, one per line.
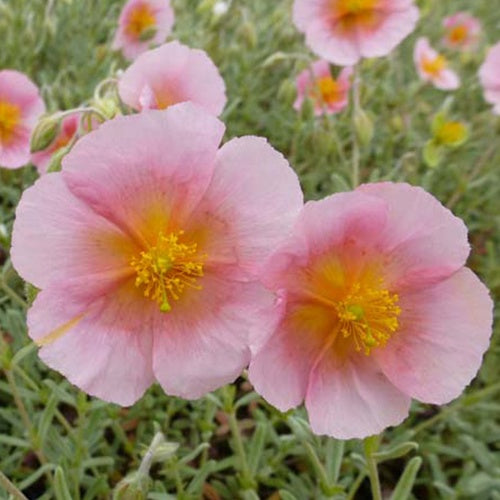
[{"x": 55, "y": 442}]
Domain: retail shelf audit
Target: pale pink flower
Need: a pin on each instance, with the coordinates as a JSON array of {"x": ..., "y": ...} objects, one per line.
[
  {"x": 20, "y": 108},
  {"x": 329, "y": 95},
  {"x": 171, "y": 74},
  {"x": 146, "y": 246},
  {"x": 143, "y": 23},
  {"x": 375, "y": 308},
  {"x": 69, "y": 127},
  {"x": 344, "y": 31},
  {"x": 433, "y": 67},
  {"x": 489, "y": 74},
  {"x": 462, "y": 31}
]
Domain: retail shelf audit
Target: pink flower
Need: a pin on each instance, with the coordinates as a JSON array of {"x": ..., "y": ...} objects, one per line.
[
  {"x": 462, "y": 31},
  {"x": 375, "y": 308},
  {"x": 146, "y": 246},
  {"x": 489, "y": 74},
  {"x": 328, "y": 94},
  {"x": 433, "y": 67},
  {"x": 20, "y": 107},
  {"x": 344, "y": 31},
  {"x": 171, "y": 74},
  {"x": 69, "y": 127},
  {"x": 143, "y": 23}
]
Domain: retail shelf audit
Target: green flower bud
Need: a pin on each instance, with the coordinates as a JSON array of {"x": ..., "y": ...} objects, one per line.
[
  {"x": 45, "y": 132},
  {"x": 135, "y": 486},
  {"x": 433, "y": 153},
  {"x": 248, "y": 34},
  {"x": 287, "y": 92},
  {"x": 363, "y": 125}
]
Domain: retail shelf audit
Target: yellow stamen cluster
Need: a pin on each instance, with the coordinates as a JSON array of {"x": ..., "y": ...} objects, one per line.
[
  {"x": 435, "y": 65},
  {"x": 369, "y": 316},
  {"x": 10, "y": 115},
  {"x": 355, "y": 6},
  {"x": 141, "y": 19},
  {"x": 329, "y": 90},
  {"x": 167, "y": 269}
]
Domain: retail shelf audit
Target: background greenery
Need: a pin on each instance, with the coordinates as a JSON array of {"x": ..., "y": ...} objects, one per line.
[{"x": 55, "y": 442}]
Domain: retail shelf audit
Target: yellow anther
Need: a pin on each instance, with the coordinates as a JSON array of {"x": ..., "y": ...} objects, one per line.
[{"x": 165, "y": 270}]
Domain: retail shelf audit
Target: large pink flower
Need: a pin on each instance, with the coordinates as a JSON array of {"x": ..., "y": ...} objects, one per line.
[
  {"x": 146, "y": 246},
  {"x": 489, "y": 75},
  {"x": 433, "y": 67},
  {"x": 143, "y": 23},
  {"x": 375, "y": 308},
  {"x": 329, "y": 95},
  {"x": 171, "y": 74},
  {"x": 344, "y": 31},
  {"x": 69, "y": 128},
  {"x": 20, "y": 108},
  {"x": 462, "y": 31}
]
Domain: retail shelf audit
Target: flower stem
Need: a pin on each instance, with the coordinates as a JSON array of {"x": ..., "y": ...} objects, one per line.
[
  {"x": 355, "y": 145},
  {"x": 240, "y": 450},
  {"x": 11, "y": 488},
  {"x": 370, "y": 446}
]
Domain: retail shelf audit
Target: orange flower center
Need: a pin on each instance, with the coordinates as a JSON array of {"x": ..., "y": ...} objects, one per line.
[
  {"x": 141, "y": 20},
  {"x": 347, "y": 304},
  {"x": 165, "y": 270},
  {"x": 10, "y": 116},
  {"x": 329, "y": 90},
  {"x": 458, "y": 34},
  {"x": 435, "y": 65},
  {"x": 350, "y": 14}
]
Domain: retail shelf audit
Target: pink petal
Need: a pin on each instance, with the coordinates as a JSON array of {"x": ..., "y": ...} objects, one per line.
[
  {"x": 351, "y": 219},
  {"x": 106, "y": 347},
  {"x": 447, "y": 80},
  {"x": 280, "y": 368},
  {"x": 252, "y": 202},
  {"x": 203, "y": 342},
  {"x": 424, "y": 242},
  {"x": 353, "y": 399},
  {"x": 175, "y": 73},
  {"x": 396, "y": 25},
  {"x": 56, "y": 236},
  {"x": 445, "y": 330},
  {"x": 134, "y": 170}
]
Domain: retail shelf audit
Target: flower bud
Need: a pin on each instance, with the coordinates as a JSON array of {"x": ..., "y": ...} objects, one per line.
[
  {"x": 433, "y": 153},
  {"x": 287, "y": 92},
  {"x": 45, "y": 132},
  {"x": 135, "y": 486},
  {"x": 248, "y": 34},
  {"x": 363, "y": 125}
]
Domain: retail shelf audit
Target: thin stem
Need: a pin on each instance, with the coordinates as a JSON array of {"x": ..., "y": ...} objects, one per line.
[
  {"x": 372, "y": 468},
  {"x": 355, "y": 145},
  {"x": 355, "y": 486},
  {"x": 26, "y": 420},
  {"x": 12, "y": 294},
  {"x": 240, "y": 449},
  {"x": 149, "y": 455},
  {"x": 10, "y": 487}
]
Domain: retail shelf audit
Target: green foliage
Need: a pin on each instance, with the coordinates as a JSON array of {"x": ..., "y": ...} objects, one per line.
[{"x": 55, "y": 442}]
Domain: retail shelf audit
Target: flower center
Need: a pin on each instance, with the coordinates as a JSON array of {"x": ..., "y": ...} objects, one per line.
[
  {"x": 140, "y": 20},
  {"x": 435, "y": 65},
  {"x": 458, "y": 34},
  {"x": 10, "y": 115},
  {"x": 329, "y": 90},
  {"x": 344, "y": 7},
  {"x": 368, "y": 316},
  {"x": 165, "y": 270}
]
